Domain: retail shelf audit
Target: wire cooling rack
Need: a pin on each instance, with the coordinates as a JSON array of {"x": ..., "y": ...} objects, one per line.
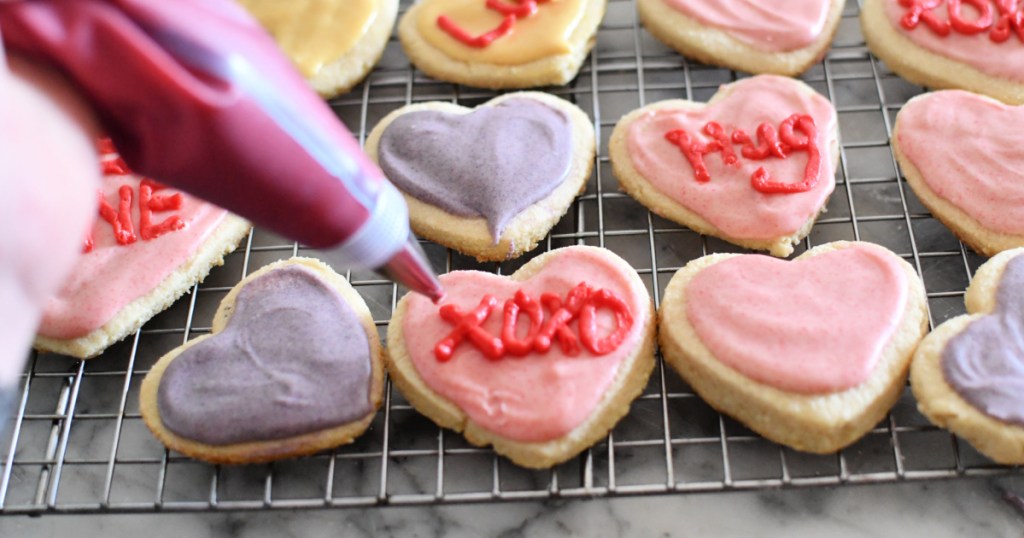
[{"x": 79, "y": 444}]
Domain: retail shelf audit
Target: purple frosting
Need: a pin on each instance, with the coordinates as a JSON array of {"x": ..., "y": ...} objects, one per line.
[
  {"x": 985, "y": 362},
  {"x": 293, "y": 359},
  {"x": 493, "y": 162}
]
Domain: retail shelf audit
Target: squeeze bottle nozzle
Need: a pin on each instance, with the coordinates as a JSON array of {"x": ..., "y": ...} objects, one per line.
[{"x": 195, "y": 94}]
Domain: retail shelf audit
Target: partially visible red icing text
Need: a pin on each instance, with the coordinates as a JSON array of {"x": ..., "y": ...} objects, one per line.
[
  {"x": 770, "y": 143},
  {"x": 581, "y": 304},
  {"x": 518, "y": 9},
  {"x": 999, "y": 18},
  {"x": 149, "y": 202}
]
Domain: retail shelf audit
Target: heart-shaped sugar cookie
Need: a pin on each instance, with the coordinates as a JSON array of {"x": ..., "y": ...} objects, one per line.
[
  {"x": 976, "y": 45},
  {"x": 754, "y": 166},
  {"x": 149, "y": 245},
  {"x": 961, "y": 154},
  {"x": 489, "y": 181},
  {"x": 783, "y": 37},
  {"x": 968, "y": 375},
  {"x": 334, "y": 43},
  {"x": 809, "y": 353},
  {"x": 540, "y": 364},
  {"x": 293, "y": 366},
  {"x": 501, "y": 43}
]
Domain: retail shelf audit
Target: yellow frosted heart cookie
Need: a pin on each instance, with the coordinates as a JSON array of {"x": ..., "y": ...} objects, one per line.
[
  {"x": 334, "y": 43},
  {"x": 501, "y": 43}
]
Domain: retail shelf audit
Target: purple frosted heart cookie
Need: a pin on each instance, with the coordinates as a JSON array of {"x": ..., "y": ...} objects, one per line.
[
  {"x": 293, "y": 366},
  {"x": 490, "y": 181},
  {"x": 968, "y": 375}
]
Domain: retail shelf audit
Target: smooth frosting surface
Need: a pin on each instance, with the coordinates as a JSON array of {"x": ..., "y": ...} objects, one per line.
[
  {"x": 777, "y": 26},
  {"x": 538, "y": 397},
  {"x": 1005, "y": 60},
  {"x": 985, "y": 362},
  {"x": 728, "y": 201},
  {"x": 544, "y": 34},
  {"x": 314, "y": 33},
  {"x": 493, "y": 162},
  {"x": 111, "y": 276},
  {"x": 811, "y": 326},
  {"x": 293, "y": 359},
  {"x": 968, "y": 150}
]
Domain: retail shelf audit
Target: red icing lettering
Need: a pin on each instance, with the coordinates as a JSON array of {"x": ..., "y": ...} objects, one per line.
[
  {"x": 770, "y": 144},
  {"x": 1000, "y": 23},
  {"x": 520, "y": 10},
  {"x": 588, "y": 323},
  {"x": 964, "y": 26},
  {"x": 114, "y": 165},
  {"x": 581, "y": 304},
  {"x": 561, "y": 316},
  {"x": 921, "y": 10},
  {"x": 512, "y": 12},
  {"x": 522, "y": 302},
  {"x": 149, "y": 202},
  {"x": 789, "y": 143},
  {"x": 1010, "y": 20},
  {"x": 148, "y": 199},
  {"x": 695, "y": 151},
  {"x": 121, "y": 220},
  {"x": 481, "y": 40},
  {"x": 105, "y": 146},
  {"x": 468, "y": 326}
]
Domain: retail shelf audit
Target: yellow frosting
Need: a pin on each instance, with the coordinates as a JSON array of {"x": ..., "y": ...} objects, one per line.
[
  {"x": 314, "y": 33},
  {"x": 541, "y": 35}
]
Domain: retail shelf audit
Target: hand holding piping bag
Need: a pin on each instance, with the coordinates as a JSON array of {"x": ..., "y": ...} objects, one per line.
[{"x": 196, "y": 95}]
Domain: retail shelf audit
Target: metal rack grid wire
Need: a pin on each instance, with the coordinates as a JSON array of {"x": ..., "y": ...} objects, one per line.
[{"x": 79, "y": 445}]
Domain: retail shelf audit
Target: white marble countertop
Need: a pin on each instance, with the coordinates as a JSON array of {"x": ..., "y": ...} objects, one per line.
[{"x": 937, "y": 509}]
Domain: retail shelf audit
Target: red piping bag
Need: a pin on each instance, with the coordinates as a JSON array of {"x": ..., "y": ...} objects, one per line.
[{"x": 195, "y": 94}]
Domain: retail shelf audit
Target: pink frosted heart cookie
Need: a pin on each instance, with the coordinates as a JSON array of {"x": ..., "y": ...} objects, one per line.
[
  {"x": 968, "y": 374},
  {"x": 490, "y": 181},
  {"x": 754, "y": 166},
  {"x": 975, "y": 45},
  {"x": 293, "y": 366},
  {"x": 961, "y": 154},
  {"x": 783, "y": 37},
  {"x": 149, "y": 245},
  {"x": 540, "y": 364},
  {"x": 810, "y": 353}
]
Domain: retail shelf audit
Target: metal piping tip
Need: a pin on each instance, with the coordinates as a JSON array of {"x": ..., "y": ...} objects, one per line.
[{"x": 410, "y": 268}]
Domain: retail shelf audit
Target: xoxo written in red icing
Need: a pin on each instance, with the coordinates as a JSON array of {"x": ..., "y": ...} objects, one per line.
[
  {"x": 1000, "y": 21},
  {"x": 519, "y": 9},
  {"x": 781, "y": 144},
  {"x": 581, "y": 304},
  {"x": 149, "y": 202}
]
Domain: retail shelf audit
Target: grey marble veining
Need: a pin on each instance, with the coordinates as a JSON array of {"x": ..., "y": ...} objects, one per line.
[{"x": 973, "y": 507}]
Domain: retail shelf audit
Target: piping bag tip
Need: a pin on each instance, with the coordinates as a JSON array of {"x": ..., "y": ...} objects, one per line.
[{"x": 409, "y": 267}]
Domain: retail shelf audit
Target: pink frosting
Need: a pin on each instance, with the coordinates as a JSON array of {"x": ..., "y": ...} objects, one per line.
[
  {"x": 968, "y": 150},
  {"x": 1005, "y": 60},
  {"x": 728, "y": 201},
  {"x": 111, "y": 276},
  {"x": 538, "y": 397},
  {"x": 773, "y": 26},
  {"x": 811, "y": 326}
]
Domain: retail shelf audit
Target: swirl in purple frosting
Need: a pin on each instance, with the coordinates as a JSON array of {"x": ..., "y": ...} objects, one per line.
[
  {"x": 493, "y": 162},
  {"x": 985, "y": 362},
  {"x": 293, "y": 359}
]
